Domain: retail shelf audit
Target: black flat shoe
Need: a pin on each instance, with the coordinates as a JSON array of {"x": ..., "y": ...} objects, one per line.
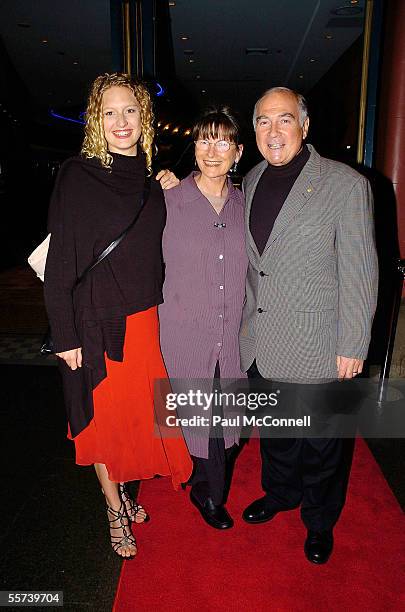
[
  {"x": 215, "y": 516},
  {"x": 259, "y": 511},
  {"x": 318, "y": 546}
]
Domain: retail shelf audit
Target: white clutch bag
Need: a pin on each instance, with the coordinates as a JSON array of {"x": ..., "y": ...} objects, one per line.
[{"x": 37, "y": 259}]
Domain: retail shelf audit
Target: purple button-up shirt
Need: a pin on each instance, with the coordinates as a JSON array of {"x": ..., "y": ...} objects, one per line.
[{"x": 204, "y": 287}]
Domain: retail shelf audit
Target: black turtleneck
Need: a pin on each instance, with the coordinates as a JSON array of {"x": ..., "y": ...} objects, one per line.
[{"x": 271, "y": 192}]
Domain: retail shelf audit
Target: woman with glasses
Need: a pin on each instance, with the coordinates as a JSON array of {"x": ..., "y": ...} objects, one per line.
[{"x": 204, "y": 290}]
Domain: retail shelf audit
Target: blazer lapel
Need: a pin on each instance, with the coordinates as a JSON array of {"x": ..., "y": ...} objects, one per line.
[{"x": 250, "y": 188}]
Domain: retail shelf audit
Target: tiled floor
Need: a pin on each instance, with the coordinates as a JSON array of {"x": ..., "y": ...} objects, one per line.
[{"x": 20, "y": 349}]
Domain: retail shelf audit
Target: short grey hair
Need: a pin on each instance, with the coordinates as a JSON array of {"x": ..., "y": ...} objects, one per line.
[{"x": 302, "y": 103}]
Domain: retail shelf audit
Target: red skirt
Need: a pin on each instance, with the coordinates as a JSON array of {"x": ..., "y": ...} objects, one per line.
[{"x": 122, "y": 435}]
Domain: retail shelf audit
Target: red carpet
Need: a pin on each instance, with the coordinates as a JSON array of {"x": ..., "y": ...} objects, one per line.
[{"x": 183, "y": 564}]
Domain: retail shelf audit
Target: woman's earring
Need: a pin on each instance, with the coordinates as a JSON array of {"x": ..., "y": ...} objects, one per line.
[{"x": 234, "y": 167}]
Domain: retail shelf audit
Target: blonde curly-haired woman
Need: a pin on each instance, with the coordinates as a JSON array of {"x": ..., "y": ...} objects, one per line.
[{"x": 105, "y": 329}]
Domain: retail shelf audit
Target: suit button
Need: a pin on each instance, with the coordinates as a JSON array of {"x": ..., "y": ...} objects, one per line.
[
  {"x": 262, "y": 273},
  {"x": 260, "y": 310}
]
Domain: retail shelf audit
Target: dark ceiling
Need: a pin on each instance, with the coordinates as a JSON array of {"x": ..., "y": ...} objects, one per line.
[
  {"x": 57, "y": 48},
  {"x": 226, "y": 51},
  {"x": 237, "y": 49}
]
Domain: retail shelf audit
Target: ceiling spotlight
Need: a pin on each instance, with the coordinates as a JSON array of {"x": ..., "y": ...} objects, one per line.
[
  {"x": 159, "y": 123},
  {"x": 187, "y": 132},
  {"x": 176, "y": 129},
  {"x": 300, "y": 76},
  {"x": 328, "y": 36},
  {"x": 185, "y": 38},
  {"x": 75, "y": 63},
  {"x": 312, "y": 60},
  {"x": 348, "y": 146},
  {"x": 167, "y": 126},
  {"x": 203, "y": 91},
  {"x": 44, "y": 41},
  {"x": 354, "y": 1},
  {"x": 191, "y": 61},
  {"x": 197, "y": 76},
  {"x": 172, "y": 3}
]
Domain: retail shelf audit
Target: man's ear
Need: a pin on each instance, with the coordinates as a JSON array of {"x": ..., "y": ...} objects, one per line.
[
  {"x": 239, "y": 155},
  {"x": 305, "y": 128}
]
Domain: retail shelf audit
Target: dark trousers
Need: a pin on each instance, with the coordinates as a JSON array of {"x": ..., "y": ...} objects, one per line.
[
  {"x": 311, "y": 472},
  {"x": 211, "y": 477}
]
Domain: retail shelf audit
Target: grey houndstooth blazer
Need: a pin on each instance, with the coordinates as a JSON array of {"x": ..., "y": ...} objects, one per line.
[{"x": 312, "y": 294}]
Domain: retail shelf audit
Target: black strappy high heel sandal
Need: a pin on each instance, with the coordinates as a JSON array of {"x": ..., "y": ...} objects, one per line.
[
  {"x": 125, "y": 537},
  {"x": 136, "y": 513}
]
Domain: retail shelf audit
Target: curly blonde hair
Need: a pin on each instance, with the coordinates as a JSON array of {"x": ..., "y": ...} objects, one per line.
[{"x": 94, "y": 143}]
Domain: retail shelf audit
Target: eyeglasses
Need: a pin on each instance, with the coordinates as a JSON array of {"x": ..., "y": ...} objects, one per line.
[{"x": 220, "y": 145}]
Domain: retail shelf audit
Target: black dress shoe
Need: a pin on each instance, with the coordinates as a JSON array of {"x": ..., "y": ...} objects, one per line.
[
  {"x": 216, "y": 516},
  {"x": 259, "y": 511},
  {"x": 318, "y": 546}
]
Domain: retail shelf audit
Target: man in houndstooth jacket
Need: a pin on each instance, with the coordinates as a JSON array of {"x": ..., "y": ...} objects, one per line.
[{"x": 310, "y": 299}]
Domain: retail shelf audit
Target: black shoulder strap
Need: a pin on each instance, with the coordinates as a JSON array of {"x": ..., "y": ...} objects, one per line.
[{"x": 116, "y": 242}]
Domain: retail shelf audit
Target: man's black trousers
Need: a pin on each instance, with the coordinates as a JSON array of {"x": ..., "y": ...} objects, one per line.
[{"x": 308, "y": 472}]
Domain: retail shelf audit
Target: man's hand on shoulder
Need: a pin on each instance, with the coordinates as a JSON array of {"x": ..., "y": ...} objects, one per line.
[
  {"x": 348, "y": 367},
  {"x": 167, "y": 179}
]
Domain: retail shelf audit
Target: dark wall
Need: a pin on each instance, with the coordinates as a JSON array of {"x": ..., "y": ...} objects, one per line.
[{"x": 334, "y": 106}]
